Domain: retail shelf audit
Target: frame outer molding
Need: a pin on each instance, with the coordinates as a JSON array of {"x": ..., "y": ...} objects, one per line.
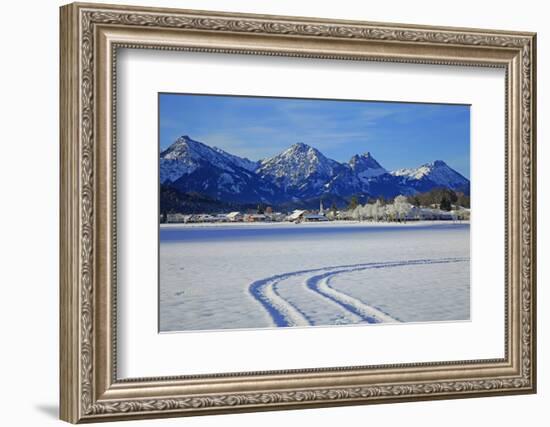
[
  {"x": 89, "y": 388},
  {"x": 69, "y": 221}
]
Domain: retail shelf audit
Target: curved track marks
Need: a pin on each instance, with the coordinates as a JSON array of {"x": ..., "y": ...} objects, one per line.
[{"x": 285, "y": 312}]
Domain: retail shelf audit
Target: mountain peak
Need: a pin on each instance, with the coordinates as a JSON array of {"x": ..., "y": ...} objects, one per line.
[
  {"x": 182, "y": 140},
  {"x": 365, "y": 155},
  {"x": 437, "y": 172},
  {"x": 185, "y": 155},
  {"x": 366, "y": 166},
  {"x": 300, "y": 167},
  {"x": 301, "y": 151},
  {"x": 437, "y": 163},
  {"x": 300, "y": 147}
]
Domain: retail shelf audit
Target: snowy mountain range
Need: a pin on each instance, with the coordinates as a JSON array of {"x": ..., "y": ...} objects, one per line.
[{"x": 297, "y": 177}]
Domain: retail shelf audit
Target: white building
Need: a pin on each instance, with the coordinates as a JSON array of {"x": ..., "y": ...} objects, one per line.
[
  {"x": 275, "y": 216},
  {"x": 256, "y": 218},
  {"x": 206, "y": 218},
  {"x": 234, "y": 216},
  {"x": 177, "y": 218},
  {"x": 296, "y": 215},
  {"x": 314, "y": 218}
]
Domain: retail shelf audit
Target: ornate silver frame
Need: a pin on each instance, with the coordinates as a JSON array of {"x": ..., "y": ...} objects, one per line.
[{"x": 90, "y": 36}]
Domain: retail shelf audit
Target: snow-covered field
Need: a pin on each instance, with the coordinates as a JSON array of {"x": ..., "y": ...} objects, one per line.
[{"x": 259, "y": 276}]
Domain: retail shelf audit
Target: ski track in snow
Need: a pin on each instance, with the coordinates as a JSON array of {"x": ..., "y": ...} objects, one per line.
[
  {"x": 286, "y": 313},
  {"x": 283, "y": 312}
]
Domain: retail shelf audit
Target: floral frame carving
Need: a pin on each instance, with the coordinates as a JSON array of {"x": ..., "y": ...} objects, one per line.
[{"x": 90, "y": 35}]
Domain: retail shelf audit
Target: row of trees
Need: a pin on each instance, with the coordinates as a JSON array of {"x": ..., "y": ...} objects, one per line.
[
  {"x": 420, "y": 206},
  {"x": 378, "y": 211},
  {"x": 443, "y": 198},
  {"x": 440, "y": 198}
]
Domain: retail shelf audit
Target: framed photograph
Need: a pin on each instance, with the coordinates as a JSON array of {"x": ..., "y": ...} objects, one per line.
[{"x": 266, "y": 212}]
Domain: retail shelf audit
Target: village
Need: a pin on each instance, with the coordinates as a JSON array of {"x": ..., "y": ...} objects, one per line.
[{"x": 398, "y": 211}]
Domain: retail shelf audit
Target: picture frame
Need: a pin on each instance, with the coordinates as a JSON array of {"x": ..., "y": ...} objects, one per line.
[{"x": 91, "y": 36}]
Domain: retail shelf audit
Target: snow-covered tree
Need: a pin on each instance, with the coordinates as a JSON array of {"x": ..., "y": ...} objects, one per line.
[
  {"x": 377, "y": 210},
  {"x": 367, "y": 211},
  {"x": 402, "y": 207},
  {"x": 344, "y": 215},
  {"x": 356, "y": 213},
  {"x": 391, "y": 212}
]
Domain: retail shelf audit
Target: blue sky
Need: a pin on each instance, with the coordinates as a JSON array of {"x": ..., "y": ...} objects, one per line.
[{"x": 397, "y": 134}]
